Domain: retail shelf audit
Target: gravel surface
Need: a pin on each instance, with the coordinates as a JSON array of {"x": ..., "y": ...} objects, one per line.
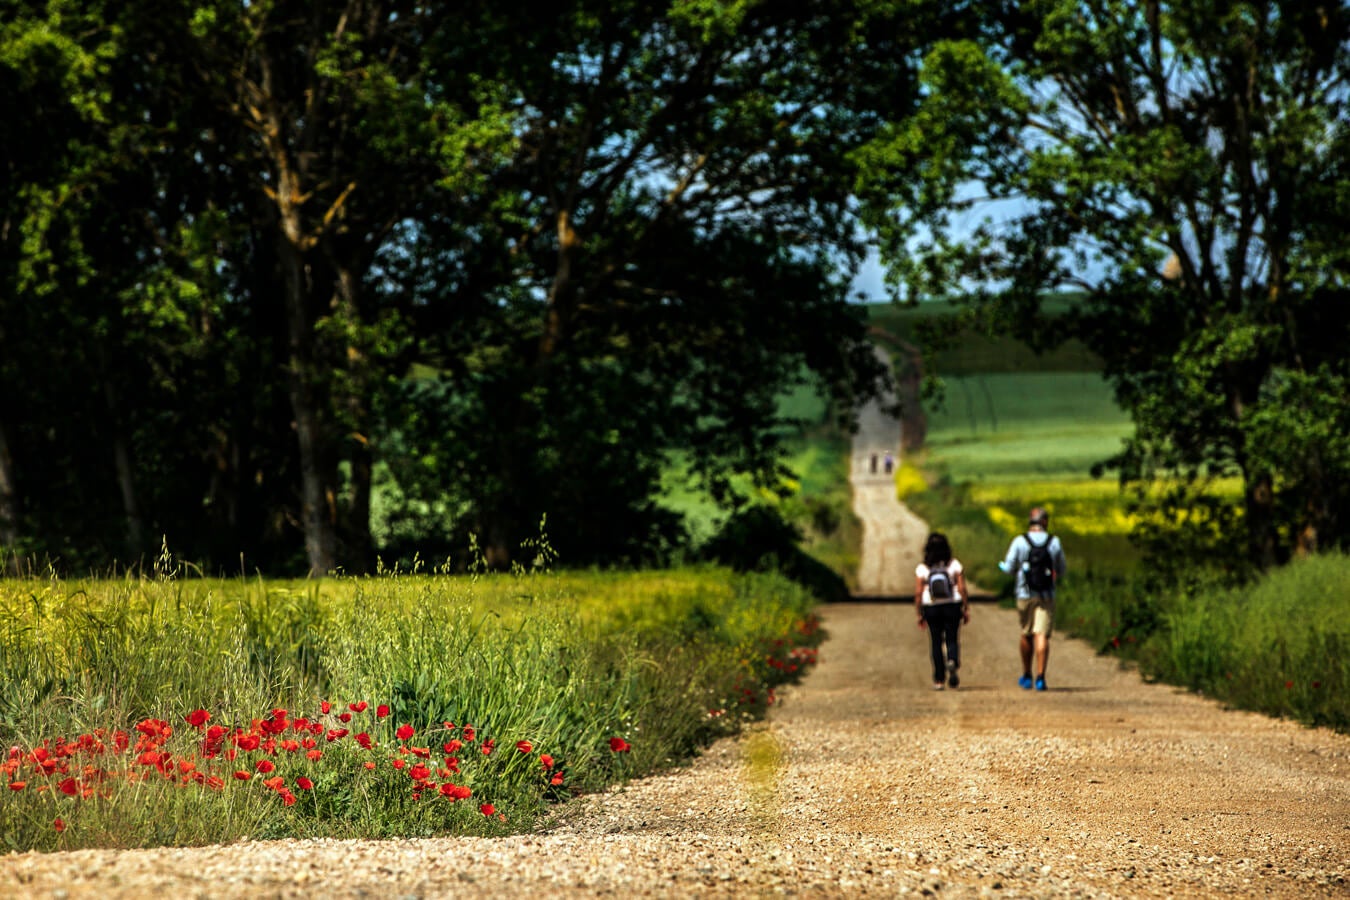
[{"x": 866, "y": 782}]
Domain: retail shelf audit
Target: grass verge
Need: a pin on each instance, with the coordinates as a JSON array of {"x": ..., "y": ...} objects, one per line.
[{"x": 148, "y": 712}]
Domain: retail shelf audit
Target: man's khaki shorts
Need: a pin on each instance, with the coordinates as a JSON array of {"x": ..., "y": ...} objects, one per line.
[{"x": 1036, "y": 614}]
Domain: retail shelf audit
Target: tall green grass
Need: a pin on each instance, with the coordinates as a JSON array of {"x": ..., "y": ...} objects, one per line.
[
  {"x": 1280, "y": 646},
  {"x": 664, "y": 660}
]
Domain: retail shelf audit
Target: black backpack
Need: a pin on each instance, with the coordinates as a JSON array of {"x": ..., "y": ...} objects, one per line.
[
  {"x": 939, "y": 583},
  {"x": 1040, "y": 567}
]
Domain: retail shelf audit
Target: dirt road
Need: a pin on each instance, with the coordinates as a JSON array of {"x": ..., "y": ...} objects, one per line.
[{"x": 866, "y": 782}]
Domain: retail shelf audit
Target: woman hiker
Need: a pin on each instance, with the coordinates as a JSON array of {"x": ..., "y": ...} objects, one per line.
[{"x": 943, "y": 605}]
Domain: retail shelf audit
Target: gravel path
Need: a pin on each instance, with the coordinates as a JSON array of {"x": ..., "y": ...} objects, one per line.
[{"x": 866, "y": 782}]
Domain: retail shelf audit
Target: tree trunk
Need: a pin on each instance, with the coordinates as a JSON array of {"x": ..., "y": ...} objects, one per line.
[
  {"x": 359, "y": 548},
  {"x": 1260, "y": 509},
  {"x": 123, "y": 465},
  {"x": 318, "y": 512},
  {"x": 9, "y": 506}
]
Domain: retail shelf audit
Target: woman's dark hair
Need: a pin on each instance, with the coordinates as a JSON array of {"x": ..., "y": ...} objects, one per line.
[{"x": 937, "y": 550}]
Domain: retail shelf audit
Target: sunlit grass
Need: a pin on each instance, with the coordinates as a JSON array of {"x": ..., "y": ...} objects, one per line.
[{"x": 662, "y": 661}]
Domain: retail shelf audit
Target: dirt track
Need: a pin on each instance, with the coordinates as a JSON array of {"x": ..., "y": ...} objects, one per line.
[{"x": 866, "y": 782}]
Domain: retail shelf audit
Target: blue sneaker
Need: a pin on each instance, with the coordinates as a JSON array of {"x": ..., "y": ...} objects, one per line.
[
  {"x": 1024, "y": 682},
  {"x": 1040, "y": 683}
]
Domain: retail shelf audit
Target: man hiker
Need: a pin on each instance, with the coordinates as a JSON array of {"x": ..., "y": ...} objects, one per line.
[{"x": 1038, "y": 561}]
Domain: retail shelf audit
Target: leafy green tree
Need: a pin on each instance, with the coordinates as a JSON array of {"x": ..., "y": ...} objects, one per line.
[
  {"x": 667, "y": 252},
  {"x": 1178, "y": 171}
]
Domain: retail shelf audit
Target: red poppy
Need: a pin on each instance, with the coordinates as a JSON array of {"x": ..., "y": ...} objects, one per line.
[
  {"x": 487, "y": 809},
  {"x": 304, "y": 783},
  {"x": 400, "y": 763},
  {"x": 1288, "y": 685},
  {"x": 17, "y": 785},
  {"x": 556, "y": 779},
  {"x": 381, "y": 711},
  {"x": 452, "y": 746},
  {"x": 357, "y": 707},
  {"x": 468, "y": 732},
  {"x": 419, "y": 772},
  {"x": 364, "y": 740},
  {"x": 488, "y": 746},
  {"x": 524, "y": 746},
  {"x": 59, "y": 825},
  {"x": 276, "y": 783},
  {"x": 324, "y": 707},
  {"x": 197, "y": 718},
  {"x": 265, "y": 765},
  {"x": 404, "y": 732},
  {"x": 619, "y": 745},
  {"x": 242, "y": 775},
  {"x": 287, "y": 798},
  {"x": 314, "y": 755},
  {"x": 546, "y": 760},
  {"x": 369, "y": 764},
  {"x": 344, "y": 718},
  {"x": 69, "y": 786}
]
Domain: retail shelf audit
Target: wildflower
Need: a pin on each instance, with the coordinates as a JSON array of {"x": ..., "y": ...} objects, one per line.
[
  {"x": 344, "y": 718},
  {"x": 357, "y": 707},
  {"x": 469, "y": 732},
  {"x": 619, "y": 745},
  {"x": 364, "y": 740},
  {"x": 419, "y": 772},
  {"x": 276, "y": 783},
  {"x": 314, "y": 755},
  {"x": 1289, "y": 685},
  {"x": 487, "y": 809},
  {"x": 304, "y": 783},
  {"x": 69, "y": 786},
  {"x": 381, "y": 711},
  {"x": 452, "y": 746},
  {"x": 404, "y": 732},
  {"x": 59, "y": 825},
  {"x": 400, "y": 763},
  {"x": 524, "y": 746},
  {"x": 287, "y": 797},
  {"x": 369, "y": 764},
  {"x": 17, "y": 785},
  {"x": 324, "y": 707},
  {"x": 197, "y": 718},
  {"x": 265, "y": 765},
  {"x": 242, "y": 775},
  {"x": 488, "y": 746},
  {"x": 455, "y": 791},
  {"x": 556, "y": 779},
  {"x": 546, "y": 760}
]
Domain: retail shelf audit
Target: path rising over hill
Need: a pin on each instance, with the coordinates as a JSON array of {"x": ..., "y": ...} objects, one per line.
[{"x": 865, "y": 782}]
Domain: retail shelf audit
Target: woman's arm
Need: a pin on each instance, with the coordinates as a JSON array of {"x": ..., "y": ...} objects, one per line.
[
  {"x": 918, "y": 598},
  {"x": 965, "y": 596}
]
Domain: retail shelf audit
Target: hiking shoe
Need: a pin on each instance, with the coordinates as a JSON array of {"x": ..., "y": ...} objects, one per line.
[
  {"x": 1040, "y": 683},
  {"x": 1024, "y": 682},
  {"x": 953, "y": 680},
  {"x": 937, "y": 685}
]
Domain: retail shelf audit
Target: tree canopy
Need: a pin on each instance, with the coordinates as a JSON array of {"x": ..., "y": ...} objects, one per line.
[
  {"x": 1177, "y": 173},
  {"x": 274, "y": 271}
]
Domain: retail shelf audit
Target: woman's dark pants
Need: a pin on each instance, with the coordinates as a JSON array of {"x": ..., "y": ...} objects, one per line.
[{"x": 943, "y": 620}]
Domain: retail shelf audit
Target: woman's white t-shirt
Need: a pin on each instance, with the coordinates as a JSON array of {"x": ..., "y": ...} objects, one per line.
[{"x": 953, "y": 569}]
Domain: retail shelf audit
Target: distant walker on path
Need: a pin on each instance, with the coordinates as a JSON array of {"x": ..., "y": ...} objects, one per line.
[
  {"x": 1037, "y": 559},
  {"x": 943, "y": 605}
]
